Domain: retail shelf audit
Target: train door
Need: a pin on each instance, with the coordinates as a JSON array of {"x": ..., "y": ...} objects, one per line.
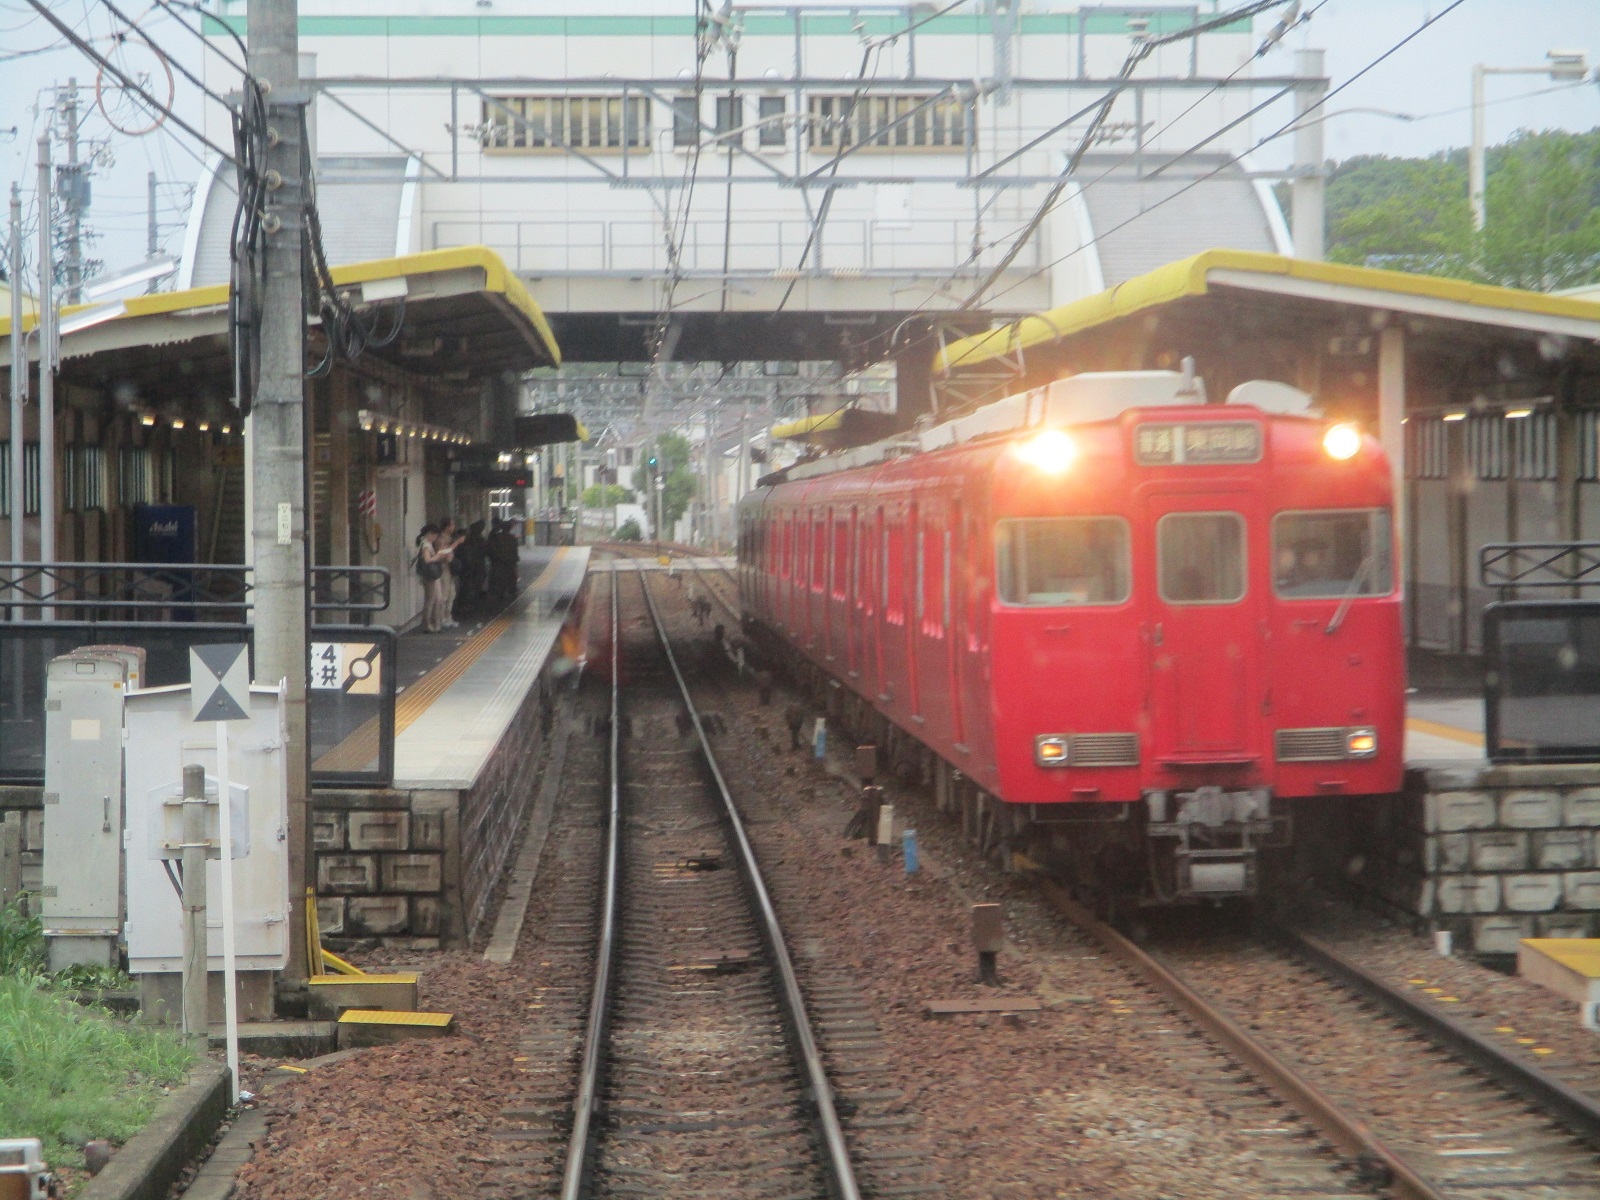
[
  {"x": 914, "y": 615},
  {"x": 852, "y": 592},
  {"x": 880, "y": 623},
  {"x": 1204, "y": 628},
  {"x": 955, "y": 558}
]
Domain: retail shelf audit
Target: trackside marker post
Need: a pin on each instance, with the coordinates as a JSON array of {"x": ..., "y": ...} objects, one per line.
[
  {"x": 988, "y": 936},
  {"x": 219, "y": 692},
  {"x": 819, "y": 739},
  {"x": 908, "y": 847}
]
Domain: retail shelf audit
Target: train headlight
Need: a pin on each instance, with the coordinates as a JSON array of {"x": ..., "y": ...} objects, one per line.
[
  {"x": 1050, "y": 451},
  {"x": 1050, "y": 750},
  {"x": 1361, "y": 742},
  {"x": 1341, "y": 441}
]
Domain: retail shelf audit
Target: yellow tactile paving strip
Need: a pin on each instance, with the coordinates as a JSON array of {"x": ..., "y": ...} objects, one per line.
[
  {"x": 360, "y": 749},
  {"x": 1450, "y": 732}
]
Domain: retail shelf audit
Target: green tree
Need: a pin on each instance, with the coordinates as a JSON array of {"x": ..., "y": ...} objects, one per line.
[
  {"x": 605, "y": 495},
  {"x": 1542, "y": 213},
  {"x": 1542, "y": 206},
  {"x": 672, "y": 453}
]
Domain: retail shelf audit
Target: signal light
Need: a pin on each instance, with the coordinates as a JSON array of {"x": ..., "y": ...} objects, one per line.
[
  {"x": 1050, "y": 451},
  {"x": 1341, "y": 441},
  {"x": 1050, "y": 750}
]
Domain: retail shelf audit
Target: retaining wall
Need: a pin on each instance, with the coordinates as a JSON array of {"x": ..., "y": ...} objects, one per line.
[{"x": 1492, "y": 853}]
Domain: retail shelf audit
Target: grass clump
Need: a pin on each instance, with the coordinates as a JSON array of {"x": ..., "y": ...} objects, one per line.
[{"x": 70, "y": 1073}]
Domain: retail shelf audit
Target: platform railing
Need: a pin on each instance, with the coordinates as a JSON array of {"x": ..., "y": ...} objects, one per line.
[
  {"x": 52, "y": 609},
  {"x": 1539, "y": 564}
]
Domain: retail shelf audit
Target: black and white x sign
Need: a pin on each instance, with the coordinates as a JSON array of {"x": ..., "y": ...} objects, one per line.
[{"x": 219, "y": 682}]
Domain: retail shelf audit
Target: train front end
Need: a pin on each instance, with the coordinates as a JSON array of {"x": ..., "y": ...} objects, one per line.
[{"x": 1196, "y": 627}]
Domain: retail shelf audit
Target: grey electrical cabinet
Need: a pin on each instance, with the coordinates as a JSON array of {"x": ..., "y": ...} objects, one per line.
[{"x": 81, "y": 903}]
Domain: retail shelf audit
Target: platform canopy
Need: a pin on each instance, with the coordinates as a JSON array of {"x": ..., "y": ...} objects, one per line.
[
  {"x": 1314, "y": 324},
  {"x": 464, "y": 316}
]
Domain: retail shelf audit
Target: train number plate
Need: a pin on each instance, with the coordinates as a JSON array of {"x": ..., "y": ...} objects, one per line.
[{"x": 1198, "y": 444}]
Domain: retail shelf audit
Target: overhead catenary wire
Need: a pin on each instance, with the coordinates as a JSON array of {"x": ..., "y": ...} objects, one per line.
[
  {"x": 1233, "y": 159},
  {"x": 1141, "y": 50},
  {"x": 123, "y": 78}
]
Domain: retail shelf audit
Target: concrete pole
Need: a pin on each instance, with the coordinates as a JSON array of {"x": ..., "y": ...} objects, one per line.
[
  {"x": 1310, "y": 182},
  {"x": 1475, "y": 155},
  {"x": 196, "y": 1015},
  {"x": 19, "y": 378},
  {"x": 71, "y": 202},
  {"x": 278, "y": 531},
  {"x": 47, "y": 367},
  {"x": 153, "y": 229},
  {"x": 1392, "y": 433}
]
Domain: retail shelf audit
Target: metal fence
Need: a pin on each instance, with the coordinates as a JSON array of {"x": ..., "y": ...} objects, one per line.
[{"x": 47, "y": 610}]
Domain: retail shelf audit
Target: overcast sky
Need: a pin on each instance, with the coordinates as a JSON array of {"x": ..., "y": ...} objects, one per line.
[{"x": 1429, "y": 79}]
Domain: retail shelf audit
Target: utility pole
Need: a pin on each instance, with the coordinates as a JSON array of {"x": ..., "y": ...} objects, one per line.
[
  {"x": 1308, "y": 191},
  {"x": 277, "y": 430},
  {"x": 19, "y": 378},
  {"x": 47, "y": 365},
  {"x": 153, "y": 231},
  {"x": 74, "y": 185}
]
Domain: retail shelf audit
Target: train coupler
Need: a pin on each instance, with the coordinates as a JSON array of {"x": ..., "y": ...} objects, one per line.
[{"x": 1213, "y": 836}]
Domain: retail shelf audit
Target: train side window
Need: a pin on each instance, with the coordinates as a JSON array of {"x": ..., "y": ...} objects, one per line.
[
  {"x": 1330, "y": 554},
  {"x": 1200, "y": 558},
  {"x": 1062, "y": 560}
]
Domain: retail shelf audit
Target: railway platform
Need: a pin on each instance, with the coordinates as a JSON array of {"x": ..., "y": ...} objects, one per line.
[
  {"x": 414, "y": 863},
  {"x": 1444, "y": 728}
]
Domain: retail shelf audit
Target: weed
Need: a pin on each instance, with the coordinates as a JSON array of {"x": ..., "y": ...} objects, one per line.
[
  {"x": 69, "y": 1074},
  {"x": 21, "y": 939}
]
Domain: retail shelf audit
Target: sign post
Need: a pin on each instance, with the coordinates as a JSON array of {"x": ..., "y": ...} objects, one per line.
[{"x": 219, "y": 692}]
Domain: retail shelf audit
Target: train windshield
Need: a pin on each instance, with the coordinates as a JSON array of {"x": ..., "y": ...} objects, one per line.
[
  {"x": 1331, "y": 554},
  {"x": 1063, "y": 560},
  {"x": 1200, "y": 557}
]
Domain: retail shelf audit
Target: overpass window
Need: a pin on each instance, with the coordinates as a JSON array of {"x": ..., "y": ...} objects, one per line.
[
  {"x": 513, "y": 123},
  {"x": 910, "y": 121},
  {"x": 771, "y": 112},
  {"x": 685, "y": 121},
  {"x": 1200, "y": 558},
  {"x": 730, "y": 117},
  {"x": 1331, "y": 554},
  {"x": 1063, "y": 561}
]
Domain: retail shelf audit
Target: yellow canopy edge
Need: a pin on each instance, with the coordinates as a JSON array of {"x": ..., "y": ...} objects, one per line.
[
  {"x": 1191, "y": 277},
  {"x": 498, "y": 279}
]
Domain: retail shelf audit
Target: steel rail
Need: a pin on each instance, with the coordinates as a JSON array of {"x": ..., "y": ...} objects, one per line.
[
  {"x": 1577, "y": 1112},
  {"x": 580, "y": 1146},
  {"x": 1349, "y": 1134},
  {"x": 842, "y": 1179}
]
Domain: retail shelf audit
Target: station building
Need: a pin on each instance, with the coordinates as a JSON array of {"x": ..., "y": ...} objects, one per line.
[{"x": 145, "y": 424}]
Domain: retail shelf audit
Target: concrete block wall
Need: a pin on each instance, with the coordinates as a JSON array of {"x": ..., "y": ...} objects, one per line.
[
  {"x": 1492, "y": 853},
  {"x": 418, "y": 868},
  {"x": 388, "y": 866}
]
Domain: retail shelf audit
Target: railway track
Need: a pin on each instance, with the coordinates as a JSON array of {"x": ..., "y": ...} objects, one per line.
[
  {"x": 1417, "y": 1119},
  {"x": 700, "y": 1074}
]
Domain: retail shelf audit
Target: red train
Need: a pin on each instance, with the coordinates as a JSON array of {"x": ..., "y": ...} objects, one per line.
[{"x": 1123, "y": 628}]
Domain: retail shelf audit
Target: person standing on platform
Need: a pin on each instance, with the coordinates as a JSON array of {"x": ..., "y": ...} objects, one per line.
[
  {"x": 448, "y": 541},
  {"x": 473, "y": 558},
  {"x": 503, "y": 555},
  {"x": 432, "y": 565}
]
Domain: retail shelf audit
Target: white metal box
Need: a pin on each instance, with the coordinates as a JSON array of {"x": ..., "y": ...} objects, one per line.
[
  {"x": 82, "y": 874},
  {"x": 162, "y": 739}
]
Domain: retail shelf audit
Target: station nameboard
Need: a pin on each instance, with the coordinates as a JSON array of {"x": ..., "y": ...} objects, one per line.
[{"x": 1202, "y": 443}]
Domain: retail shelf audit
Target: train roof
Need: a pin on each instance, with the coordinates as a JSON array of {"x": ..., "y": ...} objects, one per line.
[{"x": 1076, "y": 400}]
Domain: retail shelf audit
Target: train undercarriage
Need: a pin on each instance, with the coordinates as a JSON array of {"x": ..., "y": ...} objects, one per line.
[{"x": 1205, "y": 844}]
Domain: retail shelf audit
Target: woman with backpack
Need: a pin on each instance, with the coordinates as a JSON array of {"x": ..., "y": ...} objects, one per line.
[{"x": 431, "y": 563}]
